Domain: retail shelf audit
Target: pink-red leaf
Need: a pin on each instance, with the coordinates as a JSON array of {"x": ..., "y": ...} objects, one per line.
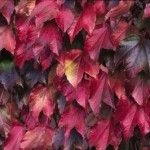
[
  {"x": 72, "y": 93},
  {"x": 14, "y": 138},
  {"x": 86, "y": 21},
  {"x": 139, "y": 88},
  {"x": 41, "y": 100},
  {"x": 100, "y": 38},
  {"x": 64, "y": 18},
  {"x": 117, "y": 83},
  {"x": 50, "y": 35},
  {"x": 46, "y": 59},
  {"x": 44, "y": 55},
  {"x": 130, "y": 115},
  {"x": 119, "y": 32},
  {"x": 99, "y": 7},
  {"x": 44, "y": 11},
  {"x": 73, "y": 117},
  {"x": 7, "y": 8},
  {"x": 82, "y": 97},
  {"x": 117, "y": 11},
  {"x": 100, "y": 91},
  {"x": 105, "y": 132},
  {"x": 22, "y": 53},
  {"x": 76, "y": 63},
  {"x": 7, "y": 39},
  {"x": 39, "y": 137}
]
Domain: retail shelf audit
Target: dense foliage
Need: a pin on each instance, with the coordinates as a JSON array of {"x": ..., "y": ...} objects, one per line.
[{"x": 74, "y": 74}]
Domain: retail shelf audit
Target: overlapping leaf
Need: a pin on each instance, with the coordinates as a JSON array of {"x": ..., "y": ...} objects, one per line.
[
  {"x": 65, "y": 89},
  {"x": 139, "y": 87},
  {"x": 85, "y": 21},
  {"x": 73, "y": 117},
  {"x": 14, "y": 137},
  {"x": 117, "y": 83},
  {"x": 122, "y": 8},
  {"x": 7, "y": 8},
  {"x": 105, "y": 132},
  {"x": 119, "y": 32},
  {"x": 100, "y": 38},
  {"x": 72, "y": 93},
  {"x": 64, "y": 18},
  {"x": 76, "y": 63},
  {"x": 99, "y": 7},
  {"x": 130, "y": 115},
  {"x": 134, "y": 53},
  {"x": 7, "y": 33},
  {"x": 50, "y": 35},
  {"x": 43, "y": 11},
  {"x": 100, "y": 91},
  {"x": 41, "y": 100},
  {"x": 39, "y": 137}
]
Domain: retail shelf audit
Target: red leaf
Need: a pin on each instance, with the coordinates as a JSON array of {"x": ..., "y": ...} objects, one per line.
[
  {"x": 100, "y": 91},
  {"x": 44, "y": 11},
  {"x": 28, "y": 35},
  {"x": 46, "y": 59},
  {"x": 117, "y": 83},
  {"x": 105, "y": 132},
  {"x": 76, "y": 63},
  {"x": 39, "y": 137},
  {"x": 31, "y": 122},
  {"x": 22, "y": 54},
  {"x": 82, "y": 93},
  {"x": 117, "y": 11},
  {"x": 40, "y": 100},
  {"x": 64, "y": 18},
  {"x": 139, "y": 88},
  {"x": 22, "y": 26},
  {"x": 130, "y": 115},
  {"x": 7, "y": 8},
  {"x": 99, "y": 7},
  {"x": 134, "y": 53},
  {"x": 66, "y": 89},
  {"x": 14, "y": 138},
  {"x": 146, "y": 11},
  {"x": 50, "y": 35},
  {"x": 86, "y": 20},
  {"x": 73, "y": 117},
  {"x": 44, "y": 55},
  {"x": 72, "y": 93},
  {"x": 90, "y": 67},
  {"x": 10, "y": 43},
  {"x": 100, "y": 38},
  {"x": 119, "y": 33}
]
